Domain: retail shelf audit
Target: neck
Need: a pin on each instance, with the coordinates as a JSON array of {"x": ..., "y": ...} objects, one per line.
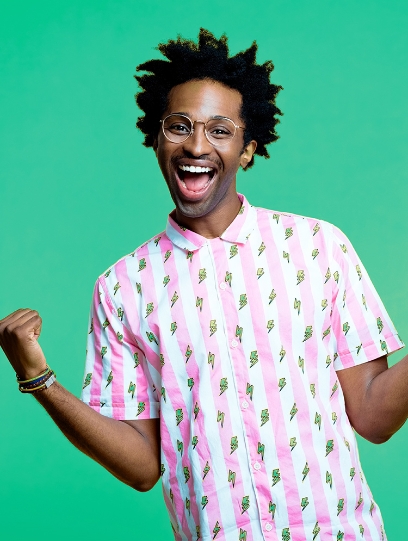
[{"x": 213, "y": 224}]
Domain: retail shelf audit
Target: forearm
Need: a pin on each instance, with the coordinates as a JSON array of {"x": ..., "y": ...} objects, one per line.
[
  {"x": 118, "y": 447},
  {"x": 128, "y": 449}
]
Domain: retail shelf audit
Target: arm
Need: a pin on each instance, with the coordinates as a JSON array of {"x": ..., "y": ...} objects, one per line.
[
  {"x": 130, "y": 450},
  {"x": 376, "y": 397}
]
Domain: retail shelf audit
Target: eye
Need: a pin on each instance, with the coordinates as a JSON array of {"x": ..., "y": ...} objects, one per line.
[
  {"x": 220, "y": 128},
  {"x": 178, "y": 127}
]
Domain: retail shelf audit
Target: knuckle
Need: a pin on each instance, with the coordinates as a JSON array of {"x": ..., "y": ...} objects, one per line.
[
  {"x": 18, "y": 332},
  {"x": 8, "y": 329}
]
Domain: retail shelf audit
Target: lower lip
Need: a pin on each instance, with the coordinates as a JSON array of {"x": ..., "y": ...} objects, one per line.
[{"x": 189, "y": 194}]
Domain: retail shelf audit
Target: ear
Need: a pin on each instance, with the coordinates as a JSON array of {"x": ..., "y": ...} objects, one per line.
[
  {"x": 155, "y": 145},
  {"x": 247, "y": 154}
]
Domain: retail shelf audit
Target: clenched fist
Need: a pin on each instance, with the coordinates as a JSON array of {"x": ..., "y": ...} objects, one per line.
[{"x": 19, "y": 334}]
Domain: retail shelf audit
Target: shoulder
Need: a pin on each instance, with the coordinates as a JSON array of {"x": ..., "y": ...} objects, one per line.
[
  {"x": 134, "y": 259},
  {"x": 128, "y": 268},
  {"x": 295, "y": 232},
  {"x": 315, "y": 226}
]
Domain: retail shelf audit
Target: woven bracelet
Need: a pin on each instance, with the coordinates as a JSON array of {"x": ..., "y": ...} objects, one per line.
[
  {"x": 39, "y": 387},
  {"x": 39, "y": 383},
  {"x": 37, "y": 378},
  {"x": 47, "y": 384}
]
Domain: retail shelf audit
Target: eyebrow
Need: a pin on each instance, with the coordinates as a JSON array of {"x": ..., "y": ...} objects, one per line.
[{"x": 216, "y": 117}]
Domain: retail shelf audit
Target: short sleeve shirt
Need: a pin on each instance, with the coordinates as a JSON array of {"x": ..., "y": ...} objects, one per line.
[{"x": 235, "y": 343}]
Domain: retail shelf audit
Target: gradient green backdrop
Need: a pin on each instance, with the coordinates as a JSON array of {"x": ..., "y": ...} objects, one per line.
[{"x": 78, "y": 191}]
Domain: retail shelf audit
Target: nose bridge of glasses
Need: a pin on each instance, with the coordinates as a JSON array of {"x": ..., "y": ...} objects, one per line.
[
  {"x": 194, "y": 130},
  {"x": 194, "y": 122}
]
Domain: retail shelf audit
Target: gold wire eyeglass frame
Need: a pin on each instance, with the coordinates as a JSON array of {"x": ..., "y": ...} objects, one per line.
[{"x": 192, "y": 122}]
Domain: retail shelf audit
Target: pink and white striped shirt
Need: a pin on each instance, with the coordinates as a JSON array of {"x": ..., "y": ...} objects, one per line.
[{"x": 234, "y": 342}]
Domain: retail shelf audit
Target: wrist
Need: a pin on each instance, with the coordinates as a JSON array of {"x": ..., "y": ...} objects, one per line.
[{"x": 30, "y": 373}]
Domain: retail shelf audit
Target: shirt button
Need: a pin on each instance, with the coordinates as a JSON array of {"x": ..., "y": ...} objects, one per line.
[
  {"x": 268, "y": 527},
  {"x": 257, "y": 466},
  {"x": 245, "y": 404},
  {"x": 223, "y": 285},
  {"x": 234, "y": 343}
]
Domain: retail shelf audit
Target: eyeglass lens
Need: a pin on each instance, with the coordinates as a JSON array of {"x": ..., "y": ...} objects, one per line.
[{"x": 219, "y": 131}]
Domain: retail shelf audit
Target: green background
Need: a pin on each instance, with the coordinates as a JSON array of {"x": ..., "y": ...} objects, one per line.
[{"x": 78, "y": 191}]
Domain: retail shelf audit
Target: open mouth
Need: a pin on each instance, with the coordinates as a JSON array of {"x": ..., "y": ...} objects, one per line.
[{"x": 195, "y": 180}]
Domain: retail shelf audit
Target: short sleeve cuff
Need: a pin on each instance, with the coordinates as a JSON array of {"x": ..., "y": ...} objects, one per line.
[
  {"x": 121, "y": 412},
  {"x": 369, "y": 352}
]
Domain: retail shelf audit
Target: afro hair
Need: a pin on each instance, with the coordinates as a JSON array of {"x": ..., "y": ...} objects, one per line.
[{"x": 209, "y": 59}]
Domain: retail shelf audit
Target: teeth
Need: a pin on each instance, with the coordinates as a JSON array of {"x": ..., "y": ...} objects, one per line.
[{"x": 195, "y": 169}]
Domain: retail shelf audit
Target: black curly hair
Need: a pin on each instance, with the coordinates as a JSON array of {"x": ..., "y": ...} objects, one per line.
[{"x": 209, "y": 59}]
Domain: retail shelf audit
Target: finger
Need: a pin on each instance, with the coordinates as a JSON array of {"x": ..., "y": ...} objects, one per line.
[
  {"x": 29, "y": 323},
  {"x": 13, "y": 317},
  {"x": 34, "y": 324},
  {"x": 19, "y": 318},
  {"x": 25, "y": 328}
]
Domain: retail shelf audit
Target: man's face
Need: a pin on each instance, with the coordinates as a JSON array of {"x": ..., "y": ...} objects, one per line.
[{"x": 197, "y": 194}]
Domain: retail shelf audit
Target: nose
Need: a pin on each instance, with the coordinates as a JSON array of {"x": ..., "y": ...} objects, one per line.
[{"x": 197, "y": 144}]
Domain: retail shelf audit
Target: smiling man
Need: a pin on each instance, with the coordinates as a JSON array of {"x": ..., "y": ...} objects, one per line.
[{"x": 235, "y": 352}]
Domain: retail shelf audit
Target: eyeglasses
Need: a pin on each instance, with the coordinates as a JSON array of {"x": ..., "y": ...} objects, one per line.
[{"x": 219, "y": 130}]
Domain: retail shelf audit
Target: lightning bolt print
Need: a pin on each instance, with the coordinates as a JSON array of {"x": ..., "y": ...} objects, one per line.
[
  {"x": 288, "y": 233},
  {"x": 272, "y": 509},
  {"x": 261, "y": 450},
  {"x": 297, "y": 305},
  {"x": 304, "y": 503},
  {"x": 305, "y": 471},
  {"x": 232, "y": 476},
  {"x": 242, "y": 535}
]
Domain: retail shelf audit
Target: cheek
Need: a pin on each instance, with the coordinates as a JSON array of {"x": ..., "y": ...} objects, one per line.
[
  {"x": 161, "y": 155},
  {"x": 164, "y": 152},
  {"x": 231, "y": 159}
]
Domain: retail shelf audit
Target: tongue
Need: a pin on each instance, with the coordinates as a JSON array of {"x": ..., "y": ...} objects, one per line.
[{"x": 195, "y": 182}]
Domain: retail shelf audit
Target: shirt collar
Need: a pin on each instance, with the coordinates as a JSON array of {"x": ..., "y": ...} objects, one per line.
[{"x": 236, "y": 233}]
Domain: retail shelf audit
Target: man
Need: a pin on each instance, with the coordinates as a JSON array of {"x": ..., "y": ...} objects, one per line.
[{"x": 232, "y": 353}]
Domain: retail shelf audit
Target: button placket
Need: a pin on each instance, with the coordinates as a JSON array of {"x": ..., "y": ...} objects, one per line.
[{"x": 245, "y": 411}]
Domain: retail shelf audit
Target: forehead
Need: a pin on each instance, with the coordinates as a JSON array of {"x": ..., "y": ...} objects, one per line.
[{"x": 203, "y": 99}]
